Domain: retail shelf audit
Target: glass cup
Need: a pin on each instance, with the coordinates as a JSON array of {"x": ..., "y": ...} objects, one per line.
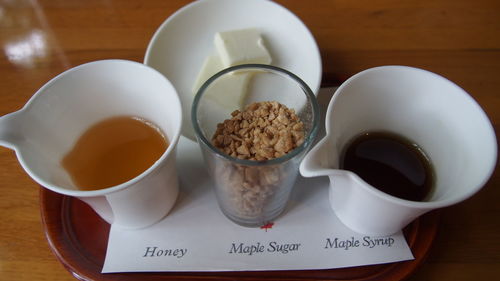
[{"x": 252, "y": 193}]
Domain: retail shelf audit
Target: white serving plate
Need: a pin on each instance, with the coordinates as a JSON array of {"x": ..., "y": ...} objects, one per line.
[{"x": 181, "y": 44}]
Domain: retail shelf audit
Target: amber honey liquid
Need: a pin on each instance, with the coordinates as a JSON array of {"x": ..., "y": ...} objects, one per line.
[
  {"x": 390, "y": 163},
  {"x": 114, "y": 151}
]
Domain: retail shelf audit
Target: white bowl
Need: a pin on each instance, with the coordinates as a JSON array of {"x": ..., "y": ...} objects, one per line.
[{"x": 181, "y": 44}]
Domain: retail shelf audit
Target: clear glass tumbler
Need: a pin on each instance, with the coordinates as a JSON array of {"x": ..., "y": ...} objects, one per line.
[{"x": 252, "y": 193}]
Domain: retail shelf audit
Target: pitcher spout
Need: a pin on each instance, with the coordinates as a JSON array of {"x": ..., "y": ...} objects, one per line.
[
  {"x": 317, "y": 162},
  {"x": 9, "y": 130}
]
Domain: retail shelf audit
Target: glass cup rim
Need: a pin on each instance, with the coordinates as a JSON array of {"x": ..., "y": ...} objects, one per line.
[{"x": 311, "y": 98}]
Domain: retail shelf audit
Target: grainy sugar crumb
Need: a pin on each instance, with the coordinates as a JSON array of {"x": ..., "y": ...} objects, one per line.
[{"x": 262, "y": 131}]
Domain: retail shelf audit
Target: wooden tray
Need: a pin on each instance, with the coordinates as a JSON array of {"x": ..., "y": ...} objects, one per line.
[{"x": 79, "y": 237}]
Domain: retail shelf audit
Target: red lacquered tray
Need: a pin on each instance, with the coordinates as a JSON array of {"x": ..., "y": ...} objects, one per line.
[{"x": 79, "y": 237}]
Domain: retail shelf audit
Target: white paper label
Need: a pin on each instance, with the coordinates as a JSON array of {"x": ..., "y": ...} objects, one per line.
[{"x": 196, "y": 236}]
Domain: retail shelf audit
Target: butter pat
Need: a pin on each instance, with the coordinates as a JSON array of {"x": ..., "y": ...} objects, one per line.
[
  {"x": 211, "y": 65},
  {"x": 241, "y": 46},
  {"x": 228, "y": 91},
  {"x": 232, "y": 48}
]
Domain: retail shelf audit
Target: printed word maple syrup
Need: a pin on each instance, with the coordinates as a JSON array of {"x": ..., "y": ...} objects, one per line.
[
  {"x": 114, "y": 151},
  {"x": 390, "y": 163}
]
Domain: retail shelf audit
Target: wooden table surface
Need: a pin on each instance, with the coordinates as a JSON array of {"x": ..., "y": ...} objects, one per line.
[{"x": 459, "y": 39}]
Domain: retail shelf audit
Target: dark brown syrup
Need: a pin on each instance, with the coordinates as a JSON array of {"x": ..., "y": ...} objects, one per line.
[{"x": 390, "y": 163}]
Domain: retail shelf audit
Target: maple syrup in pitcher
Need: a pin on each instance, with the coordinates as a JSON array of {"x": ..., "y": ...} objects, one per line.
[
  {"x": 114, "y": 151},
  {"x": 390, "y": 163}
]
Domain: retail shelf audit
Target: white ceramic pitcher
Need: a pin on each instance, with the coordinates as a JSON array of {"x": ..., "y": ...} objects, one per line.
[
  {"x": 47, "y": 127},
  {"x": 422, "y": 106}
]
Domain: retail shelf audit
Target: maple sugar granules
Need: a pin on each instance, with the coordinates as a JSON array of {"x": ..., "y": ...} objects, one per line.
[{"x": 262, "y": 131}]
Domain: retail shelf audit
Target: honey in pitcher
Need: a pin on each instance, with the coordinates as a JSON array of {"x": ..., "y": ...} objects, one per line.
[{"x": 114, "y": 151}]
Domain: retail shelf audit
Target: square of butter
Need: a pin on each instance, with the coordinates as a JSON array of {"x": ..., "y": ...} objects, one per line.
[
  {"x": 229, "y": 90},
  {"x": 241, "y": 46},
  {"x": 211, "y": 65}
]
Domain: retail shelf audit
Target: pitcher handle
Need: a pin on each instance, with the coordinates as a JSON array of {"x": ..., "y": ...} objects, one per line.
[{"x": 101, "y": 206}]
